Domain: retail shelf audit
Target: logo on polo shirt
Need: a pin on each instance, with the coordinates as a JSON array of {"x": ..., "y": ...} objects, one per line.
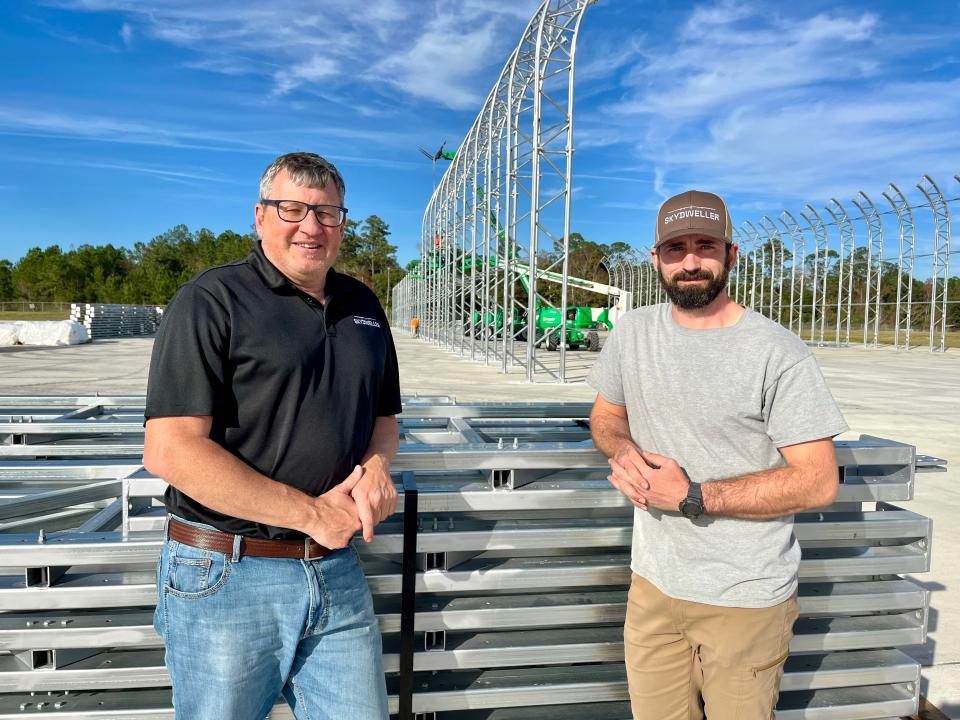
[{"x": 357, "y": 320}]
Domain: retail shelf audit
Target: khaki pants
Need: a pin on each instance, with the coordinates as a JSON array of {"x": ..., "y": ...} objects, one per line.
[{"x": 687, "y": 660}]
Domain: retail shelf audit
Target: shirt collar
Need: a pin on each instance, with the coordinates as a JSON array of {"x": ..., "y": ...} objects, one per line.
[{"x": 276, "y": 280}]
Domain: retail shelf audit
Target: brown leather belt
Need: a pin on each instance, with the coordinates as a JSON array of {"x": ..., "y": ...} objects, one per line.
[{"x": 221, "y": 542}]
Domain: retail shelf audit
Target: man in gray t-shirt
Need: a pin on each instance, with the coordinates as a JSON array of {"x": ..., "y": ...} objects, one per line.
[{"x": 719, "y": 427}]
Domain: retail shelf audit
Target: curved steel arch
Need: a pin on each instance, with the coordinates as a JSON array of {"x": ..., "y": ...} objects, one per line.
[
  {"x": 871, "y": 218},
  {"x": 741, "y": 234},
  {"x": 939, "y": 278},
  {"x": 860, "y": 275},
  {"x": 775, "y": 240},
  {"x": 796, "y": 294},
  {"x": 908, "y": 239},
  {"x": 846, "y": 255},
  {"x": 820, "y": 265},
  {"x": 497, "y": 205},
  {"x": 756, "y": 241}
]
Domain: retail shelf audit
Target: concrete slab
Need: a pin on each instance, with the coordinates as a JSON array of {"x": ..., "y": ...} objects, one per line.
[
  {"x": 912, "y": 397},
  {"x": 105, "y": 367}
]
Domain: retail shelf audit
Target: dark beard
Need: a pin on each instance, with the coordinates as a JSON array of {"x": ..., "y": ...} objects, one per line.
[{"x": 695, "y": 297}]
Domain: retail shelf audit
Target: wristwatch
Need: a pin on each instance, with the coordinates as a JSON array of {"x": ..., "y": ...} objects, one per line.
[{"x": 692, "y": 505}]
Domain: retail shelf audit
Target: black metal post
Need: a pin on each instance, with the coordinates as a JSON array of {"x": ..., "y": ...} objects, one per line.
[{"x": 408, "y": 594}]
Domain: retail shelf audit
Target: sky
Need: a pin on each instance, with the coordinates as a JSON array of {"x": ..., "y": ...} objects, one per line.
[{"x": 120, "y": 119}]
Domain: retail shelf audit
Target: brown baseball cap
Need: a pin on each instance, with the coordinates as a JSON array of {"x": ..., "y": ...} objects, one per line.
[{"x": 693, "y": 212}]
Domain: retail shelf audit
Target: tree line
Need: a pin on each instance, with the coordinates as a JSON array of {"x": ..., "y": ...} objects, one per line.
[{"x": 151, "y": 272}]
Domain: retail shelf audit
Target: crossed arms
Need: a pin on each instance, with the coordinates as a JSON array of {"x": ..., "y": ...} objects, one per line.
[
  {"x": 179, "y": 450},
  {"x": 808, "y": 479}
]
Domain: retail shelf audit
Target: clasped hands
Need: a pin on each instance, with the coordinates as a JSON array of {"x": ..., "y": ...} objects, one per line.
[
  {"x": 648, "y": 479},
  {"x": 364, "y": 499}
]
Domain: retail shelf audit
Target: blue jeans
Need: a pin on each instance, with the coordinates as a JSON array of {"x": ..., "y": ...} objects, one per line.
[{"x": 239, "y": 632}]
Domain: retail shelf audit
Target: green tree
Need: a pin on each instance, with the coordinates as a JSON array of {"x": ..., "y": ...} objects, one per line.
[
  {"x": 376, "y": 253},
  {"x": 350, "y": 248},
  {"x": 6, "y": 280},
  {"x": 38, "y": 275}
]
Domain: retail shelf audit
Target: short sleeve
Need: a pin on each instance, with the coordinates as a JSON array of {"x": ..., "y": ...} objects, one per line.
[
  {"x": 187, "y": 368},
  {"x": 389, "y": 401},
  {"x": 605, "y": 376},
  {"x": 798, "y": 407}
]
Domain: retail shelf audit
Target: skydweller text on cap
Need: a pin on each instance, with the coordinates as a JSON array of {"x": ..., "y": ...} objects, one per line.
[{"x": 693, "y": 212}]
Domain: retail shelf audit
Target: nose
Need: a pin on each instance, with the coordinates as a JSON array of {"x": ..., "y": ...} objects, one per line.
[
  {"x": 310, "y": 225},
  {"x": 691, "y": 262}
]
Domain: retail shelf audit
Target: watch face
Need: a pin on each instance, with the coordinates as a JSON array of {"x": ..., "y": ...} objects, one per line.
[{"x": 690, "y": 509}]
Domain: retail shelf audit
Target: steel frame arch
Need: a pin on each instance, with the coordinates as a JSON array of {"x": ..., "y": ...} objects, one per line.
[
  {"x": 775, "y": 241},
  {"x": 749, "y": 262},
  {"x": 940, "y": 277},
  {"x": 905, "y": 263},
  {"x": 756, "y": 241},
  {"x": 860, "y": 273},
  {"x": 743, "y": 261},
  {"x": 821, "y": 262},
  {"x": 796, "y": 299},
  {"x": 522, "y": 135},
  {"x": 871, "y": 218},
  {"x": 846, "y": 254}
]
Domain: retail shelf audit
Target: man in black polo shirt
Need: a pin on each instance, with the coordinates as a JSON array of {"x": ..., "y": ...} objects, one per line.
[{"x": 271, "y": 412}]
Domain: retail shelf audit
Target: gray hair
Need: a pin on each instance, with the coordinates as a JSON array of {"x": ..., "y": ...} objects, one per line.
[{"x": 304, "y": 169}]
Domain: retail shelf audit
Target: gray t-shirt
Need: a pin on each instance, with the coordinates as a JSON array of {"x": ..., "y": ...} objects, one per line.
[{"x": 720, "y": 401}]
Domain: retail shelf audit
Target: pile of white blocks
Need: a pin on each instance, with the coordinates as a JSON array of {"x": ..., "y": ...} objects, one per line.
[{"x": 44, "y": 332}]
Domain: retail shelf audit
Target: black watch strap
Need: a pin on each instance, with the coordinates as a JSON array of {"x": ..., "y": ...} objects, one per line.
[{"x": 692, "y": 505}]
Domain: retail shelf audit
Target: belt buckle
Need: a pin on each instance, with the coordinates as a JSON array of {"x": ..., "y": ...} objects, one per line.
[{"x": 306, "y": 549}]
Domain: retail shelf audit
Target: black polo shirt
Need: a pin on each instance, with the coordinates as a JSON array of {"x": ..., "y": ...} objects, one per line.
[{"x": 293, "y": 386}]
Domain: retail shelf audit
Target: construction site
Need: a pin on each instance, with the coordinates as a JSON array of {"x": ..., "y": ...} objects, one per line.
[{"x": 500, "y": 584}]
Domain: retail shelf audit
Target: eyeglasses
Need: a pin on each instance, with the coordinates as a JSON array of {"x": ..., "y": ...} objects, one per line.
[{"x": 293, "y": 211}]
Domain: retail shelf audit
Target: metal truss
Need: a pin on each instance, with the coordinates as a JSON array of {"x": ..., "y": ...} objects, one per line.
[
  {"x": 775, "y": 241},
  {"x": 845, "y": 270},
  {"x": 843, "y": 284},
  {"x": 750, "y": 266},
  {"x": 821, "y": 261},
  {"x": 797, "y": 274},
  {"x": 940, "y": 276},
  {"x": 905, "y": 262},
  {"x": 498, "y": 224},
  {"x": 757, "y": 303},
  {"x": 874, "y": 269}
]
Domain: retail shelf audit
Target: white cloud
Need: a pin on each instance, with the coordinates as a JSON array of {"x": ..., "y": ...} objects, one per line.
[
  {"x": 192, "y": 177},
  {"x": 659, "y": 179},
  {"x": 782, "y": 104},
  {"x": 443, "y": 51},
  {"x": 39, "y": 123},
  {"x": 709, "y": 66},
  {"x": 126, "y": 34},
  {"x": 439, "y": 64},
  {"x": 832, "y": 147},
  {"x": 706, "y": 18},
  {"x": 311, "y": 72}
]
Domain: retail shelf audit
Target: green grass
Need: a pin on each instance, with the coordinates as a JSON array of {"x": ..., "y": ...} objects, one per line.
[
  {"x": 918, "y": 338},
  {"x": 36, "y": 315}
]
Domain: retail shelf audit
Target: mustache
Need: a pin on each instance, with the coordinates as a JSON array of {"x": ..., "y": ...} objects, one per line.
[{"x": 698, "y": 275}]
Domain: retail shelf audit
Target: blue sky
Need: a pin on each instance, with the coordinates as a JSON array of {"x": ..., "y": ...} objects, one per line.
[{"x": 120, "y": 118}]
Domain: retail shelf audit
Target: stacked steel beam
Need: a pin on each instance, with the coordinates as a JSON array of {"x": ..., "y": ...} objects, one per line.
[
  {"x": 517, "y": 591},
  {"x": 104, "y": 321}
]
